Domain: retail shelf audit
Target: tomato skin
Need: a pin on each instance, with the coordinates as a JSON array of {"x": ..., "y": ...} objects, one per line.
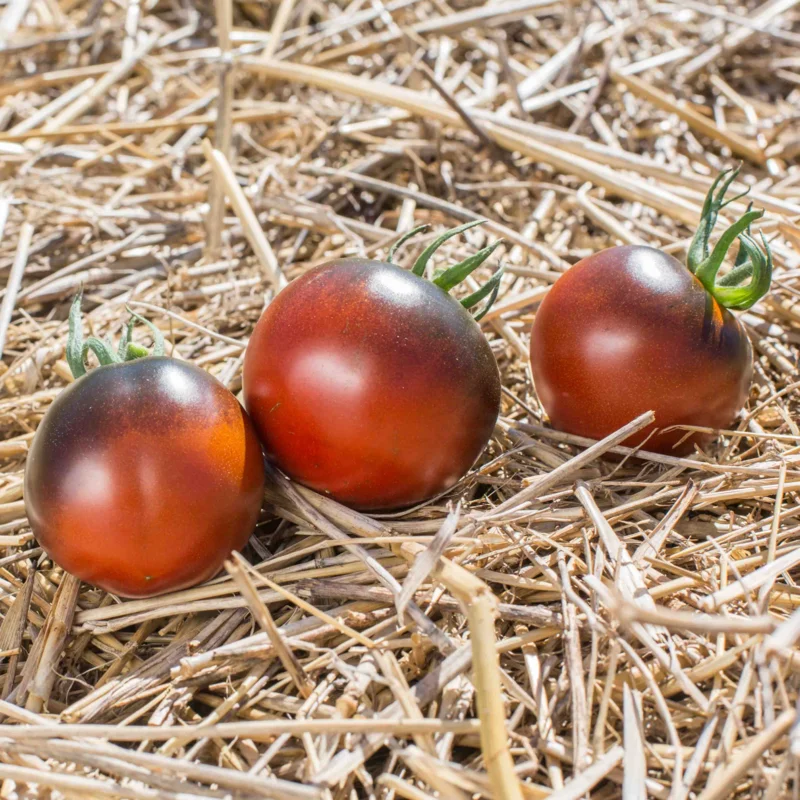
[
  {"x": 143, "y": 477},
  {"x": 628, "y": 330},
  {"x": 371, "y": 384}
]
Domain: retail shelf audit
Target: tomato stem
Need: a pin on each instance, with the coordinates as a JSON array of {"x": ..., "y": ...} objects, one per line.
[
  {"x": 134, "y": 351},
  {"x": 446, "y": 279},
  {"x": 77, "y": 349},
  {"x": 751, "y": 262}
]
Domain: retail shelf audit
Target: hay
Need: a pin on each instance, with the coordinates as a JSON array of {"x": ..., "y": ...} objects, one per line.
[{"x": 587, "y": 621}]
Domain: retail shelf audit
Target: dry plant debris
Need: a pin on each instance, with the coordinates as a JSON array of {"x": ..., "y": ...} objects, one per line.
[{"x": 589, "y": 621}]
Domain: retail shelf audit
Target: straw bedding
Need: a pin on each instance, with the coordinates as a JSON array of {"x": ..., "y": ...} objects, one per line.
[{"x": 585, "y": 621}]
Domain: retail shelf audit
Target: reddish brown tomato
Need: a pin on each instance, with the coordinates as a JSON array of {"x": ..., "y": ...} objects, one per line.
[
  {"x": 629, "y": 330},
  {"x": 371, "y": 384},
  {"x": 143, "y": 477}
]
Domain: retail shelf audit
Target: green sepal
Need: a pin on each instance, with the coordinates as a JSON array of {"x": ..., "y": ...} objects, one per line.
[
  {"x": 741, "y": 256},
  {"x": 425, "y": 256},
  {"x": 707, "y": 270},
  {"x": 489, "y": 303},
  {"x": 739, "y": 274},
  {"x": 75, "y": 339},
  {"x": 128, "y": 350},
  {"x": 448, "y": 278},
  {"x": 752, "y": 264},
  {"x": 699, "y": 248},
  {"x": 491, "y": 287},
  {"x": 760, "y": 267},
  {"x": 472, "y": 300},
  {"x": 742, "y": 267},
  {"x": 103, "y": 350},
  {"x": 403, "y": 239}
]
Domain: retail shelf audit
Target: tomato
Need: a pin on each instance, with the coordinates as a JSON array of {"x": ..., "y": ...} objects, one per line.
[
  {"x": 631, "y": 329},
  {"x": 372, "y": 384},
  {"x": 143, "y": 476}
]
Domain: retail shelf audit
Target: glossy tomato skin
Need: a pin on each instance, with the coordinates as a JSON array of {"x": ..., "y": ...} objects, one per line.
[
  {"x": 371, "y": 384},
  {"x": 628, "y": 330},
  {"x": 143, "y": 477}
]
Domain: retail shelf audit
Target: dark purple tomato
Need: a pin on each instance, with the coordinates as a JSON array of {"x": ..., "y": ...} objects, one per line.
[
  {"x": 371, "y": 384},
  {"x": 631, "y": 329},
  {"x": 143, "y": 476}
]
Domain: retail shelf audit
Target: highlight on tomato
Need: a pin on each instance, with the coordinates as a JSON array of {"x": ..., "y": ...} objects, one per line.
[
  {"x": 631, "y": 329},
  {"x": 145, "y": 473},
  {"x": 371, "y": 383}
]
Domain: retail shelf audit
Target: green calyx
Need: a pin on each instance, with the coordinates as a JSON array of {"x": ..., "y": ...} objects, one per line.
[
  {"x": 750, "y": 278},
  {"x": 446, "y": 279},
  {"x": 77, "y": 348}
]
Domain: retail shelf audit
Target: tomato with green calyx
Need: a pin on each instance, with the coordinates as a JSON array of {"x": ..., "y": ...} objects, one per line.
[
  {"x": 145, "y": 473},
  {"x": 370, "y": 383},
  {"x": 631, "y": 329}
]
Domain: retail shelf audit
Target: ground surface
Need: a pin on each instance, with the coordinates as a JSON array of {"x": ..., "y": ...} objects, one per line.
[{"x": 571, "y": 127}]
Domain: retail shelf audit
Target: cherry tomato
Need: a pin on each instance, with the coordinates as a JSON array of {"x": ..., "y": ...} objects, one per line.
[
  {"x": 631, "y": 329},
  {"x": 369, "y": 383},
  {"x": 143, "y": 476}
]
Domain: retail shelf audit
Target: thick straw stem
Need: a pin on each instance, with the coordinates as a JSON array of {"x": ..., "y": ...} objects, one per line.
[{"x": 480, "y": 606}]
